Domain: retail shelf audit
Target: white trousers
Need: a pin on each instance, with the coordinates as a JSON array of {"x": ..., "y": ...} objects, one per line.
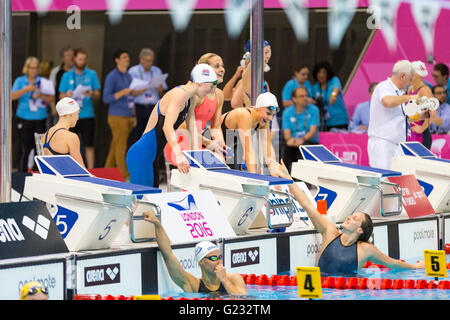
[{"x": 381, "y": 152}]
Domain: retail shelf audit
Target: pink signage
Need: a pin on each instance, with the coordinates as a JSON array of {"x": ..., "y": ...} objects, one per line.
[
  {"x": 352, "y": 147},
  {"x": 378, "y": 61},
  {"x": 62, "y": 5}
]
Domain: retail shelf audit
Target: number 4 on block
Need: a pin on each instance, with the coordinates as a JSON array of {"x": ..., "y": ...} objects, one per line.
[{"x": 308, "y": 282}]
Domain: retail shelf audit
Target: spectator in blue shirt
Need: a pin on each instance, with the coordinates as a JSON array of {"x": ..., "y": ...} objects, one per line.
[
  {"x": 361, "y": 116},
  {"x": 82, "y": 75},
  {"x": 300, "y": 126},
  {"x": 441, "y": 123},
  {"x": 440, "y": 76},
  {"x": 327, "y": 91},
  {"x": 121, "y": 113},
  {"x": 300, "y": 79},
  {"x": 31, "y": 110},
  {"x": 145, "y": 102}
]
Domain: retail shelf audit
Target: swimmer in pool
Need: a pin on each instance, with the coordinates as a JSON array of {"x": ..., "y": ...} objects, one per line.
[
  {"x": 348, "y": 250},
  {"x": 214, "y": 276}
]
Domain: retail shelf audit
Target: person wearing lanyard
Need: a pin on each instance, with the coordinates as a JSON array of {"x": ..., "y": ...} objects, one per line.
[
  {"x": 121, "y": 118},
  {"x": 300, "y": 79},
  {"x": 81, "y": 75},
  {"x": 327, "y": 91},
  {"x": 31, "y": 111},
  {"x": 146, "y": 101},
  {"x": 300, "y": 125},
  {"x": 388, "y": 122}
]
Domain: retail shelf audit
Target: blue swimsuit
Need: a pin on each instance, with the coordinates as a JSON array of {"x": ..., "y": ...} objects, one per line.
[
  {"x": 143, "y": 156},
  {"x": 339, "y": 259}
]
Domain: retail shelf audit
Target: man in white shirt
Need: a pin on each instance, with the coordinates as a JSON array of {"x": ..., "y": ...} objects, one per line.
[
  {"x": 145, "y": 102},
  {"x": 388, "y": 124}
]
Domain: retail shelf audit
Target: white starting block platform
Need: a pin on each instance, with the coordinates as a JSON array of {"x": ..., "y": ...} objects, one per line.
[
  {"x": 241, "y": 195},
  {"x": 348, "y": 188},
  {"x": 432, "y": 173},
  {"x": 88, "y": 211}
]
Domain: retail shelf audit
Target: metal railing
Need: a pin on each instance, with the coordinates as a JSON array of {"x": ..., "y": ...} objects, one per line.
[{"x": 269, "y": 206}]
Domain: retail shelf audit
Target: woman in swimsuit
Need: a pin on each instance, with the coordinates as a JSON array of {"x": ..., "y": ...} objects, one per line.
[
  {"x": 176, "y": 106},
  {"x": 241, "y": 94},
  {"x": 208, "y": 256},
  {"x": 58, "y": 140},
  {"x": 208, "y": 109},
  {"x": 346, "y": 251},
  {"x": 419, "y": 129},
  {"x": 242, "y": 121}
]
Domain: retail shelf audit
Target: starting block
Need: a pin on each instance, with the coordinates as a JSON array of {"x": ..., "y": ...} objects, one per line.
[
  {"x": 241, "y": 195},
  {"x": 348, "y": 188},
  {"x": 88, "y": 211},
  {"x": 432, "y": 173}
]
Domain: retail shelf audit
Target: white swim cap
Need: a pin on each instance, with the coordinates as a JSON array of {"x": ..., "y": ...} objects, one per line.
[
  {"x": 203, "y": 73},
  {"x": 203, "y": 248},
  {"x": 420, "y": 68},
  {"x": 67, "y": 106},
  {"x": 266, "y": 99}
]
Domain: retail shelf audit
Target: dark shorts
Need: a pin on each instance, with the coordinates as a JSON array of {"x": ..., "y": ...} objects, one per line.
[{"x": 85, "y": 129}]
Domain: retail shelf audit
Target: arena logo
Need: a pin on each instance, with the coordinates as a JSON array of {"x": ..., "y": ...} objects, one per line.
[
  {"x": 101, "y": 275},
  {"x": 245, "y": 257},
  {"x": 10, "y": 231}
]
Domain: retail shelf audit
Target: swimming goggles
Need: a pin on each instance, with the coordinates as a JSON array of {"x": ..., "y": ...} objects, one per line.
[
  {"x": 214, "y": 258},
  {"x": 273, "y": 108},
  {"x": 33, "y": 290}
]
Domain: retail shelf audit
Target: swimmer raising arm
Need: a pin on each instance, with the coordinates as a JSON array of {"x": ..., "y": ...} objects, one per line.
[
  {"x": 356, "y": 229},
  {"x": 214, "y": 276}
]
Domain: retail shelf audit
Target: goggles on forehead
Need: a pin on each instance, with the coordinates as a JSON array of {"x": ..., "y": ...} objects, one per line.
[
  {"x": 33, "y": 290},
  {"x": 215, "y": 257}
]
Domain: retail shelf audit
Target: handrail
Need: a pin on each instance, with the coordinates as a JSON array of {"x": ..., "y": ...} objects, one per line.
[
  {"x": 138, "y": 218},
  {"x": 269, "y": 206}
]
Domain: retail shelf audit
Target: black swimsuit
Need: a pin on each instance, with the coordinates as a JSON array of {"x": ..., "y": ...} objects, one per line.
[
  {"x": 234, "y": 143},
  {"x": 47, "y": 143},
  {"x": 203, "y": 289}
]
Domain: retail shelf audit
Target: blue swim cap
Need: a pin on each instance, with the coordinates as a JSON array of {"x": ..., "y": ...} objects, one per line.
[{"x": 247, "y": 45}]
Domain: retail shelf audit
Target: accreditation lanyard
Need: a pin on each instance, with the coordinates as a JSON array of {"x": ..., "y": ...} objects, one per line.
[
  {"x": 408, "y": 128},
  {"x": 305, "y": 119}
]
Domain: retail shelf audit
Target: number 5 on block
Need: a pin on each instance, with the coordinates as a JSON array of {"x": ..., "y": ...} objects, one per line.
[
  {"x": 308, "y": 282},
  {"x": 435, "y": 264}
]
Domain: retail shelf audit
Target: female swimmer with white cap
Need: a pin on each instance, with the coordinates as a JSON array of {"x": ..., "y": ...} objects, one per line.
[
  {"x": 176, "y": 106},
  {"x": 214, "y": 276},
  {"x": 207, "y": 110},
  {"x": 242, "y": 121},
  {"x": 58, "y": 140}
]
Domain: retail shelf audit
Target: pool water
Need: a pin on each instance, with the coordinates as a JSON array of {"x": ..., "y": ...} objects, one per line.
[{"x": 258, "y": 292}]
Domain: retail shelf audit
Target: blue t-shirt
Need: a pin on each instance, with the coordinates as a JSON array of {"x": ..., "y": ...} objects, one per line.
[
  {"x": 300, "y": 123},
  {"x": 361, "y": 116},
  {"x": 151, "y": 96},
  {"x": 29, "y": 108},
  {"x": 337, "y": 112},
  {"x": 70, "y": 80},
  {"x": 291, "y": 85},
  {"x": 114, "y": 82}
]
